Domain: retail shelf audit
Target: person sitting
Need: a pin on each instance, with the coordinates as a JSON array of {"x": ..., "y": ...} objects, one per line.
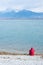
[{"x": 32, "y": 52}]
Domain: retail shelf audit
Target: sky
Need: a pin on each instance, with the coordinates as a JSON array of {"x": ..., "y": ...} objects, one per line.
[{"x": 33, "y": 5}]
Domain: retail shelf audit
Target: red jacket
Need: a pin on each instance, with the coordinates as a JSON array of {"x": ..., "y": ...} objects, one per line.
[{"x": 31, "y": 51}]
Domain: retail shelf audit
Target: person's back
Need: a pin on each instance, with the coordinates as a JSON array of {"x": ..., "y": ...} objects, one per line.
[{"x": 31, "y": 51}]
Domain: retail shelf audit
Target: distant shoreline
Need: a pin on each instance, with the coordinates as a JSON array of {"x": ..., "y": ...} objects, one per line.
[
  {"x": 10, "y": 53},
  {"x": 21, "y": 18}
]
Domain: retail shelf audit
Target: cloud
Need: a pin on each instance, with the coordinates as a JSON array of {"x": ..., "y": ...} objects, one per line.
[{"x": 34, "y": 5}]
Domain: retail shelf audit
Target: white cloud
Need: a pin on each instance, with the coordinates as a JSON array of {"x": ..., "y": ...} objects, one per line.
[
  {"x": 34, "y": 5},
  {"x": 37, "y": 9}
]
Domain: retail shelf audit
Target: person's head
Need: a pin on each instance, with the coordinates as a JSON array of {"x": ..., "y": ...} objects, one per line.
[{"x": 31, "y": 48}]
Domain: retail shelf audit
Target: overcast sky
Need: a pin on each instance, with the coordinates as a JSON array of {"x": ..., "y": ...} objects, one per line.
[{"x": 33, "y": 5}]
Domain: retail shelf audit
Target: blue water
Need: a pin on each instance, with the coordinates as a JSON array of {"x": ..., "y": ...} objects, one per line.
[{"x": 21, "y": 35}]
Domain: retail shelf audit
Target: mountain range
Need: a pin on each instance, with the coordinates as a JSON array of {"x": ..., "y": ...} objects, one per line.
[{"x": 23, "y": 14}]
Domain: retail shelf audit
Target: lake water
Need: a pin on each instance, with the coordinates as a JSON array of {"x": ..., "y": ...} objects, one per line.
[{"x": 21, "y": 35}]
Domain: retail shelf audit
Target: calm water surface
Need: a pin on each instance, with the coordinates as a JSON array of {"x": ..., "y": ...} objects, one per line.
[{"x": 21, "y": 35}]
